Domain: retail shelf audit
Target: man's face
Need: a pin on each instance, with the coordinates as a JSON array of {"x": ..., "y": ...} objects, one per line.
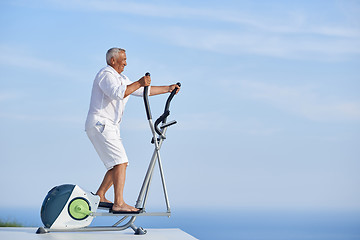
[{"x": 119, "y": 63}]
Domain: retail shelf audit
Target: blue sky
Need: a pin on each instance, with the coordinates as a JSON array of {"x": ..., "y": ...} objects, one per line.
[{"x": 268, "y": 114}]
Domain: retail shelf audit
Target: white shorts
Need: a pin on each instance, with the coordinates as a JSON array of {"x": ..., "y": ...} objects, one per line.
[{"x": 107, "y": 143}]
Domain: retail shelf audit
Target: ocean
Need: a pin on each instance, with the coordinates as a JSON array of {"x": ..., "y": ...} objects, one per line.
[{"x": 208, "y": 224}]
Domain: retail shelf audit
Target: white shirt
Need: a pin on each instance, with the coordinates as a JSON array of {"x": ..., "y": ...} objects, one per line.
[{"x": 107, "y": 103}]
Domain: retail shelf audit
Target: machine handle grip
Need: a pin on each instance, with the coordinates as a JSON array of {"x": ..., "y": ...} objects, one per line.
[
  {"x": 172, "y": 94},
  {"x": 146, "y": 100}
]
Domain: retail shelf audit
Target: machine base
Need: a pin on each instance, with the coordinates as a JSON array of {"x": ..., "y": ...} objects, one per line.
[{"x": 137, "y": 230}]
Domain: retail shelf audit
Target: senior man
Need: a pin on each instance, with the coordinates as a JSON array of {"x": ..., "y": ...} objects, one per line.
[{"x": 110, "y": 92}]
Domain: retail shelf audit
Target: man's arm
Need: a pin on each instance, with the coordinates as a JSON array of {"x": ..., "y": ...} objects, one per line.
[
  {"x": 155, "y": 90},
  {"x": 142, "y": 82}
]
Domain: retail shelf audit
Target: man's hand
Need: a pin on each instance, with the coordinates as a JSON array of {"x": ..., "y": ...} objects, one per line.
[
  {"x": 145, "y": 81},
  {"x": 174, "y": 86}
]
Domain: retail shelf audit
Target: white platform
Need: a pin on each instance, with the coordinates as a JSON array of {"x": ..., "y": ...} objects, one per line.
[{"x": 14, "y": 233}]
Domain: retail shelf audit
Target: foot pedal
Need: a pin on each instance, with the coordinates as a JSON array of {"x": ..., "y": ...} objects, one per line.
[
  {"x": 105, "y": 205},
  {"x": 125, "y": 212}
]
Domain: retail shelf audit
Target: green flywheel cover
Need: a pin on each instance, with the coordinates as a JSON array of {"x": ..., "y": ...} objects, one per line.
[{"x": 79, "y": 208}]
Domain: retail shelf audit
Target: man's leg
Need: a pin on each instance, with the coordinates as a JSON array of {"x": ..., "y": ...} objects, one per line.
[
  {"x": 105, "y": 185},
  {"x": 118, "y": 178}
]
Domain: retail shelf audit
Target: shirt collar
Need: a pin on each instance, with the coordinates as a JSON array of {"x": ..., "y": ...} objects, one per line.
[{"x": 112, "y": 70}]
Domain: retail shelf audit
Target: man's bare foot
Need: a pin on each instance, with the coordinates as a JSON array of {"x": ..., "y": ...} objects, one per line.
[
  {"x": 103, "y": 199},
  {"x": 124, "y": 208},
  {"x": 133, "y": 208}
]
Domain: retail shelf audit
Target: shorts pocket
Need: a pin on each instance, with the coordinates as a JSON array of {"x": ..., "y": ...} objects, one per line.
[
  {"x": 100, "y": 127},
  {"x": 110, "y": 133}
]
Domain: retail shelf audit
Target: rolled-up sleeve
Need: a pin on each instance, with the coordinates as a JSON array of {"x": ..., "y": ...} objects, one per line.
[
  {"x": 111, "y": 87},
  {"x": 139, "y": 92}
]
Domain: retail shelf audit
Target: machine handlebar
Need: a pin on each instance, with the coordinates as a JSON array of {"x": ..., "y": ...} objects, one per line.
[
  {"x": 172, "y": 94},
  {"x": 146, "y": 100},
  {"x": 166, "y": 113}
]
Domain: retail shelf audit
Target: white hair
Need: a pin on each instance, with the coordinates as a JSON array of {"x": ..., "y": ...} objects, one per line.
[{"x": 113, "y": 52}]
